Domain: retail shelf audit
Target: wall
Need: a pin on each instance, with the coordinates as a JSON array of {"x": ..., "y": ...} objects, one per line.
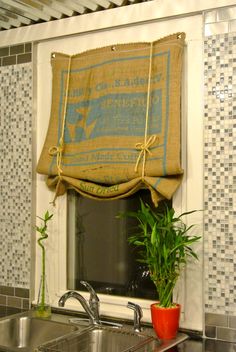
[
  {"x": 15, "y": 173},
  {"x": 219, "y": 173}
]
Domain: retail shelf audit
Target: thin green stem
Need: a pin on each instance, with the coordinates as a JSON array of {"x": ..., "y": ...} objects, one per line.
[{"x": 43, "y": 231}]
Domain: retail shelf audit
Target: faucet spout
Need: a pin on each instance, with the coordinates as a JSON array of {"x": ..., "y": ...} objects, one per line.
[{"x": 81, "y": 299}]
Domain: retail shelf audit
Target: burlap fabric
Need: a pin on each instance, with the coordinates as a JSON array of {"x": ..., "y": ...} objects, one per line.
[{"x": 115, "y": 120}]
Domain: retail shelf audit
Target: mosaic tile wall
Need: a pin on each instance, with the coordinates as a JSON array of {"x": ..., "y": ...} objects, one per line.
[
  {"x": 15, "y": 181},
  {"x": 220, "y": 174}
]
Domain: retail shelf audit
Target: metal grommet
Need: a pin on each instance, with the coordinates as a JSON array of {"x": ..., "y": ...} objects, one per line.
[
  {"x": 113, "y": 48},
  {"x": 53, "y": 55}
]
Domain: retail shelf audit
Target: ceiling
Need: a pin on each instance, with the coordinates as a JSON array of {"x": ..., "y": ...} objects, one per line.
[{"x": 19, "y": 13}]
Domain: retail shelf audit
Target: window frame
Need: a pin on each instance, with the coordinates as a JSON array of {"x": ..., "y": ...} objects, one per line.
[{"x": 57, "y": 278}]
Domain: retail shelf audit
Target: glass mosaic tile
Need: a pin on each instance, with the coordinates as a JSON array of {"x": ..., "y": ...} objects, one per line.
[
  {"x": 15, "y": 174},
  {"x": 219, "y": 172}
]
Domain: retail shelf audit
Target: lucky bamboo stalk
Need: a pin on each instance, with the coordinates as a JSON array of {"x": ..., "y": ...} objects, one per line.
[{"x": 43, "y": 232}]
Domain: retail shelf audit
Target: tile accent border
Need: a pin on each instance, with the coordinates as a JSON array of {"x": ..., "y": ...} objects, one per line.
[
  {"x": 220, "y": 327},
  {"x": 219, "y": 21},
  {"x": 14, "y": 297},
  {"x": 16, "y": 54},
  {"x": 217, "y": 346}
]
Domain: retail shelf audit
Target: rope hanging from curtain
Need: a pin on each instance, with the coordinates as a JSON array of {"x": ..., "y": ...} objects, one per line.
[{"x": 115, "y": 121}]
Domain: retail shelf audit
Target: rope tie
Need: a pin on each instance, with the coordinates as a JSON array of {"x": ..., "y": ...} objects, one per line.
[
  {"x": 59, "y": 149},
  {"x": 144, "y": 147}
]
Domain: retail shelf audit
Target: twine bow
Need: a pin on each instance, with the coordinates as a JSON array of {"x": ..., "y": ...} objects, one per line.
[
  {"x": 144, "y": 149},
  {"x": 58, "y": 151}
]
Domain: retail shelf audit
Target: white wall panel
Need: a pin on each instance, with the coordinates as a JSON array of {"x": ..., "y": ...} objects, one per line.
[{"x": 190, "y": 195}]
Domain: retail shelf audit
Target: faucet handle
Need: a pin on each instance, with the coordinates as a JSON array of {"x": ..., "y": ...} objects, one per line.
[{"x": 138, "y": 313}]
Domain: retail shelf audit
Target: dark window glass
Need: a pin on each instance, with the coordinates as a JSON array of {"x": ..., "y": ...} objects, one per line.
[{"x": 98, "y": 250}]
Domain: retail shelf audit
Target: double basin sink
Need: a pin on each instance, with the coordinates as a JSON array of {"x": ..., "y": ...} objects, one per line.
[{"x": 24, "y": 332}]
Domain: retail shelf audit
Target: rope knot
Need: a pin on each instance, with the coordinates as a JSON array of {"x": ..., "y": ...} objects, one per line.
[
  {"x": 58, "y": 151},
  {"x": 144, "y": 148}
]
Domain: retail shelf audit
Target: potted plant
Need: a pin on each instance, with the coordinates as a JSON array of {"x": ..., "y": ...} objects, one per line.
[
  {"x": 164, "y": 245},
  {"x": 43, "y": 309}
]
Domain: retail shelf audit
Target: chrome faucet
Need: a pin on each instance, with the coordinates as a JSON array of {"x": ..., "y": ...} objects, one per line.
[
  {"x": 137, "y": 315},
  {"x": 93, "y": 300},
  {"x": 92, "y": 309}
]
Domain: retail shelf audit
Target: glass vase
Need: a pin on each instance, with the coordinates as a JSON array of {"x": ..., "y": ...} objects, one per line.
[{"x": 43, "y": 308}]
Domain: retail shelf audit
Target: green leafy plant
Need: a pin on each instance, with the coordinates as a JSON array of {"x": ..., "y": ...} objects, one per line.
[
  {"x": 42, "y": 307},
  {"x": 164, "y": 245}
]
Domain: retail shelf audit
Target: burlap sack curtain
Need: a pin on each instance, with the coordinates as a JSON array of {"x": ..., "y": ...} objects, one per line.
[{"x": 115, "y": 120}]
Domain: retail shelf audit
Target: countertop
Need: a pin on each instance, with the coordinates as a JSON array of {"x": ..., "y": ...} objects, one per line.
[
  {"x": 195, "y": 343},
  {"x": 204, "y": 345},
  {"x": 5, "y": 311}
]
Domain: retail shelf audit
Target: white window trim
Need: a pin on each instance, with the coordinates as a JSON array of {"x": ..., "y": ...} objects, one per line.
[
  {"x": 189, "y": 196},
  {"x": 114, "y": 306}
]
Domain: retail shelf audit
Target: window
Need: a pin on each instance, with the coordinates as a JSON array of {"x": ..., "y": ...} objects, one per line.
[{"x": 98, "y": 250}]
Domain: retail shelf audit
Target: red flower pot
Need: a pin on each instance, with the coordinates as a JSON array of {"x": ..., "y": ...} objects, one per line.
[{"x": 165, "y": 321}]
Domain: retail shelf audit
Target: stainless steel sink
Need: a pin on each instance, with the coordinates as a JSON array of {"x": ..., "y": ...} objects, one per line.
[
  {"x": 102, "y": 339},
  {"x": 25, "y": 332}
]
